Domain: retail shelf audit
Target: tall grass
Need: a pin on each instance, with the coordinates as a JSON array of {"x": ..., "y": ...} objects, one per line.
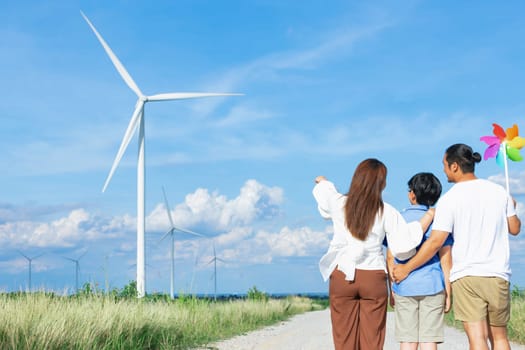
[
  {"x": 46, "y": 321},
  {"x": 516, "y": 325}
]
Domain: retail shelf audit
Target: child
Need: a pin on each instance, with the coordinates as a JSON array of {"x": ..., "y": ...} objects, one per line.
[{"x": 424, "y": 295}]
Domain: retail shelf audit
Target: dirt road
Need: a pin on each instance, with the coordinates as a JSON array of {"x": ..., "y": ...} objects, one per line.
[{"x": 312, "y": 331}]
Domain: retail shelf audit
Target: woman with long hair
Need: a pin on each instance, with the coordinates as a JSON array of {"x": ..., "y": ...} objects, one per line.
[{"x": 355, "y": 263}]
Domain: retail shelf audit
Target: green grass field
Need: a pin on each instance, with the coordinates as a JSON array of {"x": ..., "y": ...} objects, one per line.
[
  {"x": 94, "y": 321},
  {"x": 46, "y": 321}
]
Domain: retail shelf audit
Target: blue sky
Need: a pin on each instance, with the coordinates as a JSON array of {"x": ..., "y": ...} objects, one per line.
[{"x": 325, "y": 86}]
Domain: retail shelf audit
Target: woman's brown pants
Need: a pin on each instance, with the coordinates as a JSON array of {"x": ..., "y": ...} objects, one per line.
[{"x": 358, "y": 310}]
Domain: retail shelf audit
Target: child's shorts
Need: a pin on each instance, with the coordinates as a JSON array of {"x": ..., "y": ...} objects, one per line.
[{"x": 419, "y": 319}]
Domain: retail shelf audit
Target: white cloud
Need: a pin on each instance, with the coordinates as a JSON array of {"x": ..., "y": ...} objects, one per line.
[
  {"x": 298, "y": 242},
  {"x": 516, "y": 187},
  {"x": 235, "y": 236},
  {"x": 215, "y": 211},
  {"x": 247, "y": 236},
  {"x": 78, "y": 226},
  {"x": 243, "y": 115},
  {"x": 516, "y": 182},
  {"x": 10, "y": 212},
  {"x": 255, "y": 203},
  {"x": 517, "y": 253},
  {"x": 263, "y": 246}
]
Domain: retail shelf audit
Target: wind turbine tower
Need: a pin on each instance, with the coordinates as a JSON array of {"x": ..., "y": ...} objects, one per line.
[{"x": 137, "y": 121}]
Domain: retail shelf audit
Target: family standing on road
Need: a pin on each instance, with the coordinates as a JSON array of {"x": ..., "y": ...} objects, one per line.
[{"x": 477, "y": 214}]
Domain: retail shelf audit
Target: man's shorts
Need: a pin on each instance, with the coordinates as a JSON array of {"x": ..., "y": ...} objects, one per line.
[
  {"x": 479, "y": 298},
  {"x": 419, "y": 319}
]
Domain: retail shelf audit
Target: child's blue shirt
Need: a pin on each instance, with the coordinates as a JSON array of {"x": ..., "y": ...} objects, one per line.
[{"x": 428, "y": 279}]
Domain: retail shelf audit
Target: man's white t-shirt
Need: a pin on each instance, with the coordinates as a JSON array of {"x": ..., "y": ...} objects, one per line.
[{"x": 476, "y": 212}]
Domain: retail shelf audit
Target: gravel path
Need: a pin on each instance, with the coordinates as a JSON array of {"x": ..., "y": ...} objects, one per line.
[{"x": 312, "y": 331}]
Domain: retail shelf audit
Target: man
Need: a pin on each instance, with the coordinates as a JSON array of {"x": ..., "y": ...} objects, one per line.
[{"x": 479, "y": 214}]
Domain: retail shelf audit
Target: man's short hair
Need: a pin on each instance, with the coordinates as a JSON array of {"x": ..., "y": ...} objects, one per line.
[{"x": 426, "y": 187}]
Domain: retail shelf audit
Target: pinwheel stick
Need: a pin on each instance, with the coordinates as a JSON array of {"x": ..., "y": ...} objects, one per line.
[{"x": 505, "y": 162}]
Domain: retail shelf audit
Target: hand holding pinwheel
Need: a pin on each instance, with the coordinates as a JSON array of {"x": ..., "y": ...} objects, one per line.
[{"x": 502, "y": 145}]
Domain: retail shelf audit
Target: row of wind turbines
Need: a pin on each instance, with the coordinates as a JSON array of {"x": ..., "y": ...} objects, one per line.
[
  {"x": 173, "y": 229},
  {"x": 30, "y": 264},
  {"x": 137, "y": 121}
]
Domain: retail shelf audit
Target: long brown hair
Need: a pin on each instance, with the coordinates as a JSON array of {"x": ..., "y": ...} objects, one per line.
[{"x": 364, "y": 200}]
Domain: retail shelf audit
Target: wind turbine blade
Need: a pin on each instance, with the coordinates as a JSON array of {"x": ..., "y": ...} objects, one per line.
[
  {"x": 187, "y": 95},
  {"x": 196, "y": 256},
  {"x": 166, "y": 234},
  {"x": 137, "y": 114},
  {"x": 37, "y": 256},
  {"x": 25, "y": 256},
  {"x": 188, "y": 231},
  {"x": 120, "y": 67},
  {"x": 167, "y": 207},
  {"x": 81, "y": 256}
]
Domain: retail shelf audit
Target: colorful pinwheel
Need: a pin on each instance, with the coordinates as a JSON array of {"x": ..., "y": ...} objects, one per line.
[{"x": 504, "y": 145}]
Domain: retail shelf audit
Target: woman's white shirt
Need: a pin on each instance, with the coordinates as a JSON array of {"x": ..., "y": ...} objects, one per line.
[{"x": 348, "y": 253}]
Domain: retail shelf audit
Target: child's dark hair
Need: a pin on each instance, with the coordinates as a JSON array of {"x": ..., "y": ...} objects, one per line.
[{"x": 426, "y": 187}]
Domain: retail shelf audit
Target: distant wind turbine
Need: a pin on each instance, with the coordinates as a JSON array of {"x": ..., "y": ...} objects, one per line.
[
  {"x": 30, "y": 260},
  {"x": 105, "y": 269},
  {"x": 171, "y": 233},
  {"x": 214, "y": 261},
  {"x": 77, "y": 268},
  {"x": 196, "y": 260},
  {"x": 137, "y": 120}
]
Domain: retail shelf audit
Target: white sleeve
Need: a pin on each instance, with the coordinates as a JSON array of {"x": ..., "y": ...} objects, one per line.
[
  {"x": 326, "y": 195},
  {"x": 403, "y": 237},
  {"x": 444, "y": 215}
]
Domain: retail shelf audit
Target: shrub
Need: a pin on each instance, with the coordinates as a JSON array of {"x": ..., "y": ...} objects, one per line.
[
  {"x": 256, "y": 295},
  {"x": 129, "y": 290}
]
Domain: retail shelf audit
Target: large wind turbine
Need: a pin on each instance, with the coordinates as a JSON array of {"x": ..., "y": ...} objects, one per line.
[
  {"x": 137, "y": 120},
  {"x": 30, "y": 260},
  {"x": 171, "y": 232}
]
